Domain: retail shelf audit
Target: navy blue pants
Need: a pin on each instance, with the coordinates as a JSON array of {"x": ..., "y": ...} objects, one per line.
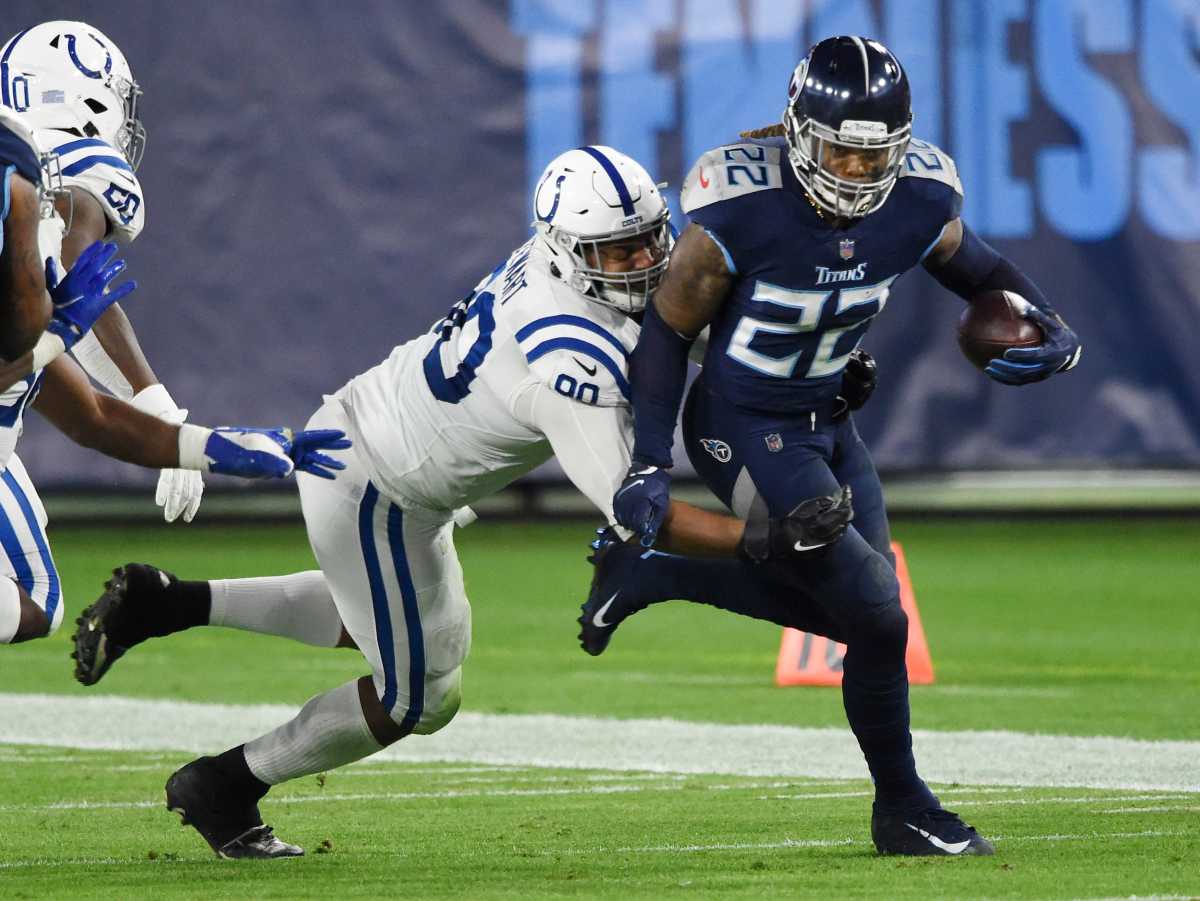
[{"x": 847, "y": 591}]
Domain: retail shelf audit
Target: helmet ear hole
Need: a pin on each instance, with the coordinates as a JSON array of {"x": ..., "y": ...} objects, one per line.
[{"x": 95, "y": 105}]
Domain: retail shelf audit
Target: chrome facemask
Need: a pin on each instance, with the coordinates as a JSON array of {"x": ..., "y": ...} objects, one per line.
[{"x": 841, "y": 197}]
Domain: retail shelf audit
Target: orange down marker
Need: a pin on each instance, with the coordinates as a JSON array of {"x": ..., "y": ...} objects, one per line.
[{"x": 807, "y": 659}]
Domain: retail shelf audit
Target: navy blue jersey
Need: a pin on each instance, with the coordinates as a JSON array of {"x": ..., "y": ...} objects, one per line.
[{"x": 804, "y": 293}]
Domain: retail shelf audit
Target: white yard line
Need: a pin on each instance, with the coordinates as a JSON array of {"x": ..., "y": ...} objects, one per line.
[{"x": 648, "y": 745}]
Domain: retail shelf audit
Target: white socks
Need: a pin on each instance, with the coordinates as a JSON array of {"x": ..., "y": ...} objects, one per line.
[
  {"x": 298, "y": 606},
  {"x": 330, "y": 731}
]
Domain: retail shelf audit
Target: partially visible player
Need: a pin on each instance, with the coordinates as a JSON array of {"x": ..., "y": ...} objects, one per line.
[
  {"x": 73, "y": 86},
  {"x": 794, "y": 243},
  {"x": 531, "y": 363},
  {"x": 31, "y": 604},
  {"x": 25, "y": 205}
]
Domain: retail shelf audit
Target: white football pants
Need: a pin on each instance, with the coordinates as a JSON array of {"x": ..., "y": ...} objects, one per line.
[
  {"x": 27, "y": 560},
  {"x": 397, "y": 584}
]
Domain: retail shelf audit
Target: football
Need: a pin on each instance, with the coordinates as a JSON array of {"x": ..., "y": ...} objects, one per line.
[{"x": 992, "y": 323}]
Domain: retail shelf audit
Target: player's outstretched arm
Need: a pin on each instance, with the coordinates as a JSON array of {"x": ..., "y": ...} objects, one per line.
[
  {"x": 695, "y": 288},
  {"x": 121, "y": 431},
  {"x": 965, "y": 264},
  {"x": 24, "y": 304},
  {"x": 591, "y": 444},
  {"x": 111, "y": 354}
]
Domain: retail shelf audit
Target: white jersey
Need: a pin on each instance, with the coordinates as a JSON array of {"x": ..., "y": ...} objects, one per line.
[
  {"x": 523, "y": 368},
  {"x": 95, "y": 166}
]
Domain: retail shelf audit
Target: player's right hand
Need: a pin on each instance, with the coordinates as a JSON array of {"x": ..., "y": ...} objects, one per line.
[
  {"x": 82, "y": 296},
  {"x": 858, "y": 384},
  {"x": 641, "y": 502}
]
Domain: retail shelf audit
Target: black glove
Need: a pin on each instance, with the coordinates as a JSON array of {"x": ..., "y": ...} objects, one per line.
[
  {"x": 858, "y": 381},
  {"x": 814, "y": 524}
]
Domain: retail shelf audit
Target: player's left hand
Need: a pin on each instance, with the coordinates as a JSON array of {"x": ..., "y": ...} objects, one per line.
[
  {"x": 1024, "y": 365},
  {"x": 641, "y": 502},
  {"x": 179, "y": 492},
  {"x": 858, "y": 383},
  {"x": 260, "y": 453},
  {"x": 82, "y": 295}
]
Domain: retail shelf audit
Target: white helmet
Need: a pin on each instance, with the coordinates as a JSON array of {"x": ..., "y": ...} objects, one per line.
[
  {"x": 69, "y": 76},
  {"x": 588, "y": 197}
]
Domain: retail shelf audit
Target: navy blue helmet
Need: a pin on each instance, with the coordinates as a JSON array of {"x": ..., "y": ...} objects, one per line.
[{"x": 848, "y": 123}]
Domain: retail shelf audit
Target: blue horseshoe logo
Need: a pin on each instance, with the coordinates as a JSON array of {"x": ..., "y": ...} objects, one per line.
[
  {"x": 557, "y": 194},
  {"x": 90, "y": 73}
]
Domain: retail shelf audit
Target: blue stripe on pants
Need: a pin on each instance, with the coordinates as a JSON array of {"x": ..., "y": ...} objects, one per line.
[
  {"x": 15, "y": 553},
  {"x": 379, "y": 600},
  {"x": 53, "y": 591},
  {"x": 412, "y": 621}
]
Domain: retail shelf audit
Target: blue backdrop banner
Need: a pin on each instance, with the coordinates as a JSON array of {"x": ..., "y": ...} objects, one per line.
[{"x": 323, "y": 180}]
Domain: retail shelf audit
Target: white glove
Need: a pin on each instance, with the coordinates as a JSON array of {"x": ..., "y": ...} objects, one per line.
[{"x": 179, "y": 490}]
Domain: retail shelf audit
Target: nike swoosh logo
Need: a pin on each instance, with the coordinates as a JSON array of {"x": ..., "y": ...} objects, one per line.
[
  {"x": 948, "y": 847},
  {"x": 631, "y": 485},
  {"x": 800, "y": 546},
  {"x": 598, "y": 619},
  {"x": 703, "y": 181},
  {"x": 591, "y": 371}
]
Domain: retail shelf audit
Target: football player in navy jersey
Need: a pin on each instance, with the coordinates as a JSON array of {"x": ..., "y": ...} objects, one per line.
[{"x": 796, "y": 237}]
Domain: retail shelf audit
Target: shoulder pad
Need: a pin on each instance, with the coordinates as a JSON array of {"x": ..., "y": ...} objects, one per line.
[
  {"x": 577, "y": 357},
  {"x": 102, "y": 171},
  {"x": 18, "y": 146},
  {"x": 924, "y": 160},
  {"x": 729, "y": 172}
]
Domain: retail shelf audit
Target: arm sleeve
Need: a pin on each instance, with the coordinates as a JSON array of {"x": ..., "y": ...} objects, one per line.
[
  {"x": 658, "y": 374},
  {"x": 976, "y": 267},
  {"x": 591, "y": 443},
  {"x": 91, "y": 355}
]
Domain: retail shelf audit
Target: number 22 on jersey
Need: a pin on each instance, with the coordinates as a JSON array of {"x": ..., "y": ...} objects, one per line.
[{"x": 816, "y": 340}]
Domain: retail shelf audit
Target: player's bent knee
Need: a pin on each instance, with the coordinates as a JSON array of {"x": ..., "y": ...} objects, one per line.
[
  {"x": 443, "y": 696},
  {"x": 884, "y": 629}
]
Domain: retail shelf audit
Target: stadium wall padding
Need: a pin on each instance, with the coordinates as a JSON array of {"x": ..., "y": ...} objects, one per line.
[{"x": 323, "y": 180}]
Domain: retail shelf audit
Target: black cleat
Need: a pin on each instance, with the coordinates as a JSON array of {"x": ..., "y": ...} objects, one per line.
[
  {"x": 609, "y": 601},
  {"x": 929, "y": 832},
  {"x": 205, "y": 800},
  {"x": 121, "y": 611}
]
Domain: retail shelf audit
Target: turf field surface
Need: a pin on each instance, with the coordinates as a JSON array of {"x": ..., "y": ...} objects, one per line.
[{"x": 1037, "y": 629}]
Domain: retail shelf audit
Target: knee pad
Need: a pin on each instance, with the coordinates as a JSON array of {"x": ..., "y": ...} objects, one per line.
[
  {"x": 877, "y": 582},
  {"x": 443, "y": 696},
  {"x": 57, "y": 619},
  {"x": 882, "y": 629},
  {"x": 10, "y": 610}
]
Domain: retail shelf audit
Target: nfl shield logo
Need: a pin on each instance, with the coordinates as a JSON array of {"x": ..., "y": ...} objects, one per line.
[
  {"x": 774, "y": 442},
  {"x": 846, "y": 248}
]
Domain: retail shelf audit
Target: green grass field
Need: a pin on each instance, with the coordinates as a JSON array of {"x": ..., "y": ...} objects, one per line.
[{"x": 1037, "y": 629}]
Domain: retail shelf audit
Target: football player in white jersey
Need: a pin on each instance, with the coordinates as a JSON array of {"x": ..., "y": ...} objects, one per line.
[
  {"x": 531, "y": 363},
  {"x": 73, "y": 86},
  {"x": 30, "y": 590}
]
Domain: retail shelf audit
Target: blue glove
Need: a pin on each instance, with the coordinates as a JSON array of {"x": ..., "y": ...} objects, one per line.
[
  {"x": 80, "y": 298},
  {"x": 1023, "y": 365},
  {"x": 260, "y": 453},
  {"x": 641, "y": 502}
]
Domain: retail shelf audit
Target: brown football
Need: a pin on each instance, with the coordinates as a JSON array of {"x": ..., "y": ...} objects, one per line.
[{"x": 992, "y": 323}]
